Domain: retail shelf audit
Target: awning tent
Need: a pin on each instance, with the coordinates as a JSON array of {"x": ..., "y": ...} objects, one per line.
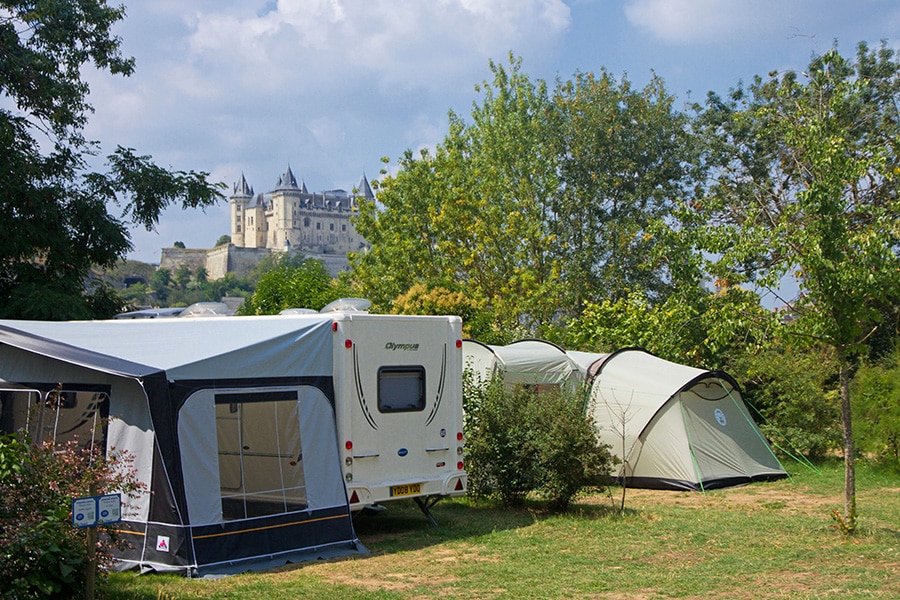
[{"x": 230, "y": 422}]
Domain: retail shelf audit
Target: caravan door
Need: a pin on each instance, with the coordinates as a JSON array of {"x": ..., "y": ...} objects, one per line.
[{"x": 399, "y": 393}]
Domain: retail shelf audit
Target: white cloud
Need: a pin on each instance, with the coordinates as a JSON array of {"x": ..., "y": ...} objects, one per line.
[
  {"x": 702, "y": 21},
  {"x": 406, "y": 43}
]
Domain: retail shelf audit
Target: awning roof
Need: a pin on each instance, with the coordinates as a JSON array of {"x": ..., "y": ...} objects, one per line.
[{"x": 185, "y": 348}]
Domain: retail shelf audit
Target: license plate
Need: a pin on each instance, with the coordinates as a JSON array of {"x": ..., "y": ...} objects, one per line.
[{"x": 406, "y": 490}]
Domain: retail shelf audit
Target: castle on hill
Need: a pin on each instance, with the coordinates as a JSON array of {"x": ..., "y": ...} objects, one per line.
[{"x": 286, "y": 219}]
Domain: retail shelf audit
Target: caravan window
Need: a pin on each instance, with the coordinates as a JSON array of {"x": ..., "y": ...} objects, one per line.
[
  {"x": 259, "y": 451},
  {"x": 401, "y": 389},
  {"x": 59, "y": 415}
]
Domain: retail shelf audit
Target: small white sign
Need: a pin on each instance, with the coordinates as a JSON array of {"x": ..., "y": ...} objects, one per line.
[
  {"x": 162, "y": 543},
  {"x": 84, "y": 512},
  {"x": 96, "y": 510},
  {"x": 110, "y": 509}
]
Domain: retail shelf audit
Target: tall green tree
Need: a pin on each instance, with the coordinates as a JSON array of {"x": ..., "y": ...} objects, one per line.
[
  {"x": 504, "y": 174},
  {"x": 53, "y": 207},
  {"x": 806, "y": 188},
  {"x": 536, "y": 202},
  {"x": 626, "y": 158},
  {"x": 472, "y": 216}
]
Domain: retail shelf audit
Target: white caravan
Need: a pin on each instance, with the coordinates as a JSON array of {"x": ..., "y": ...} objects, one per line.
[{"x": 398, "y": 401}]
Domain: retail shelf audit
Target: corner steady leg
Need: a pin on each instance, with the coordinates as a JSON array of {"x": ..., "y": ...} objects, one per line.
[{"x": 425, "y": 505}]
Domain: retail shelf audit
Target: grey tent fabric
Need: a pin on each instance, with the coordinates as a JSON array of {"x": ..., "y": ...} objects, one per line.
[
  {"x": 180, "y": 394},
  {"x": 525, "y": 362}
]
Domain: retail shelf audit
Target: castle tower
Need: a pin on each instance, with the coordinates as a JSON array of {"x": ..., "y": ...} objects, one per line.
[
  {"x": 240, "y": 197},
  {"x": 285, "y": 197}
]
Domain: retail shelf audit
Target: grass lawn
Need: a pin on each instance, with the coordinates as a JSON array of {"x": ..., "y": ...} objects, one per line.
[{"x": 767, "y": 540}]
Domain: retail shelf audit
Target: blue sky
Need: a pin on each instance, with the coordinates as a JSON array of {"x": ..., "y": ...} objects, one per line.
[{"x": 331, "y": 86}]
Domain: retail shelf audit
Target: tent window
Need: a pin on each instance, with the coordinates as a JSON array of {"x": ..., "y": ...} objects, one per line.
[
  {"x": 401, "y": 389},
  {"x": 60, "y": 415},
  {"x": 260, "y": 457}
]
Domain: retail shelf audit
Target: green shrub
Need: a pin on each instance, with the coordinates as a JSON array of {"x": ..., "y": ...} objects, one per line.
[
  {"x": 795, "y": 390},
  {"x": 876, "y": 409},
  {"x": 520, "y": 441},
  {"x": 41, "y": 554}
]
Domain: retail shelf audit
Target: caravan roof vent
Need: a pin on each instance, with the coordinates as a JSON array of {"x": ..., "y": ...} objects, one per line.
[
  {"x": 298, "y": 311},
  {"x": 206, "y": 309},
  {"x": 347, "y": 305}
]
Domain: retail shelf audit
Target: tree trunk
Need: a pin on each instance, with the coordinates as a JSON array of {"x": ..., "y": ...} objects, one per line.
[{"x": 849, "y": 520}]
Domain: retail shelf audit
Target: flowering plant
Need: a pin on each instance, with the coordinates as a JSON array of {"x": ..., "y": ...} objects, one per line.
[{"x": 41, "y": 554}]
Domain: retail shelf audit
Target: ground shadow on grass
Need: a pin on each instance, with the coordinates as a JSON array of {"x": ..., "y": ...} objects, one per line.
[{"x": 402, "y": 526}]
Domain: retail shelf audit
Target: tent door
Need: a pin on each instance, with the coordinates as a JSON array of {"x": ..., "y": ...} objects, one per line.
[{"x": 260, "y": 457}]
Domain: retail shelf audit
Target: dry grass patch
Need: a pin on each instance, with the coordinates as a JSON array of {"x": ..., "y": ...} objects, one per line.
[{"x": 427, "y": 569}]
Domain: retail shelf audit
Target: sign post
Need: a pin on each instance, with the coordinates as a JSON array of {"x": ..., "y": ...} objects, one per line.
[{"x": 88, "y": 513}]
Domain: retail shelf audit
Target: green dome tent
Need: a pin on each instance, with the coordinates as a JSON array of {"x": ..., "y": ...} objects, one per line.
[
  {"x": 672, "y": 426},
  {"x": 677, "y": 427}
]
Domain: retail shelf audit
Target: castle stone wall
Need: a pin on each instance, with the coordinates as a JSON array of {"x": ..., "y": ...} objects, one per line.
[
  {"x": 231, "y": 259},
  {"x": 172, "y": 258}
]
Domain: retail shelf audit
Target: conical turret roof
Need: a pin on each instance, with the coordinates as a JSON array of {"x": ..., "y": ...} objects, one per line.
[
  {"x": 364, "y": 189},
  {"x": 242, "y": 188},
  {"x": 287, "y": 180}
]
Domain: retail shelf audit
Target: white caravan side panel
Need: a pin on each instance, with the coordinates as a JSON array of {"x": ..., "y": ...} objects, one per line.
[{"x": 398, "y": 389}]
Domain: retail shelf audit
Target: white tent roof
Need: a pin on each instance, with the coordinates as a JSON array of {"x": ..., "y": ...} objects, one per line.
[
  {"x": 633, "y": 385},
  {"x": 536, "y": 362},
  {"x": 181, "y": 347}
]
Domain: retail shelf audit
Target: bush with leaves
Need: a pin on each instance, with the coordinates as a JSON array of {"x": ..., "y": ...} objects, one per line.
[
  {"x": 521, "y": 441},
  {"x": 41, "y": 554},
  {"x": 876, "y": 415},
  {"x": 794, "y": 389}
]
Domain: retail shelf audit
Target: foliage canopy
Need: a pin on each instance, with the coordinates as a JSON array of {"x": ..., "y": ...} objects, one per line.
[{"x": 50, "y": 196}]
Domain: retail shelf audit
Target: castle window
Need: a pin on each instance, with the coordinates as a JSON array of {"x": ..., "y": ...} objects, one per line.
[
  {"x": 306, "y": 222},
  {"x": 332, "y": 227},
  {"x": 343, "y": 228},
  {"x": 318, "y": 226}
]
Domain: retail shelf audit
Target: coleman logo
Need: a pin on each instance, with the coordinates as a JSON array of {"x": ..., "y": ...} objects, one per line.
[
  {"x": 402, "y": 347},
  {"x": 720, "y": 417}
]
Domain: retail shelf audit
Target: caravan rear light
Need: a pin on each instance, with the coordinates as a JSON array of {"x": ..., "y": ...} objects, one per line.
[
  {"x": 354, "y": 498},
  {"x": 459, "y": 466},
  {"x": 458, "y": 488},
  {"x": 334, "y": 325},
  {"x": 348, "y": 343},
  {"x": 348, "y": 445},
  {"x": 459, "y": 343},
  {"x": 459, "y": 436}
]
